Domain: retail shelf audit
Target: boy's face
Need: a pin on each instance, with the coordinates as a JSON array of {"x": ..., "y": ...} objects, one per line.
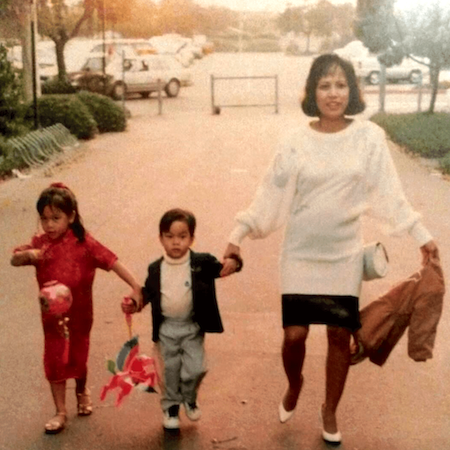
[{"x": 177, "y": 240}]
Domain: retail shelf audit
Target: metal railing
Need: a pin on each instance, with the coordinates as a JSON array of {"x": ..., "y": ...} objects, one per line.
[
  {"x": 216, "y": 107},
  {"x": 39, "y": 146}
]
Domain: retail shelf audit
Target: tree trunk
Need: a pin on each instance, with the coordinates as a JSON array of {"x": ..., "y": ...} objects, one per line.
[
  {"x": 308, "y": 42},
  {"x": 25, "y": 40},
  {"x": 61, "y": 62},
  {"x": 434, "y": 81}
]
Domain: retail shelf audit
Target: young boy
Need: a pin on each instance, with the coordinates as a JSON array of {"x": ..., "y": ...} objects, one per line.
[{"x": 180, "y": 287}]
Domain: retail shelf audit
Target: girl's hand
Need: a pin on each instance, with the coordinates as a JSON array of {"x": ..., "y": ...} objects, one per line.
[
  {"x": 429, "y": 251},
  {"x": 138, "y": 301},
  {"x": 26, "y": 257},
  {"x": 129, "y": 305}
]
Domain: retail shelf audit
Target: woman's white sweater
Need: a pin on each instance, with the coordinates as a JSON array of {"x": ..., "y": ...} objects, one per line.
[{"x": 320, "y": 185}]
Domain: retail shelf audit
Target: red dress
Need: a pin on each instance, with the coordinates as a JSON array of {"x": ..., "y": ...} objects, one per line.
[{"x": 72, "y": 263}]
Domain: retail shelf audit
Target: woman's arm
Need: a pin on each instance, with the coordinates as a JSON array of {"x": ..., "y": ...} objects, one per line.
[{"x": 429, "y": 250}]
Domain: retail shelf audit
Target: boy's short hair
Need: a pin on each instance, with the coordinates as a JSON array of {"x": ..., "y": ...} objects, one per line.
[
  {"x": 320, "y": 68},
  {"x": 177, "y": 215}
]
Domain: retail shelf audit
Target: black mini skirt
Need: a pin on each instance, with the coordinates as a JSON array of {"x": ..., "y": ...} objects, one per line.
[{"x": 336, "y": 310}]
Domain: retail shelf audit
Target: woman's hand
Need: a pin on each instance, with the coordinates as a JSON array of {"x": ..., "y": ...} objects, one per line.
[{"x": 429, "y": 250}]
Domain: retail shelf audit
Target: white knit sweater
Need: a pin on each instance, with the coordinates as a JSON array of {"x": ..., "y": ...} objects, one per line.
[{"x": 320, "y": 185}]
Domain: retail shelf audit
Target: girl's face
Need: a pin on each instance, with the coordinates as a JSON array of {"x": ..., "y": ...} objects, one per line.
[
  {"x": 55, "y": 222},
  {"x": 332, "y": 94},
  {"x": 177, "y": 240}
]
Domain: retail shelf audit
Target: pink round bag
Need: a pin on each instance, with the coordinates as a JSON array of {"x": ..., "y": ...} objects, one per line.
[{"x": 55, "y": 298}]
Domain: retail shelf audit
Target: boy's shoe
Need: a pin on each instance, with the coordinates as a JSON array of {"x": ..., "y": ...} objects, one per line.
[
  {"x": 171, "y": 420},
  {"x": 193, "y": 411}
]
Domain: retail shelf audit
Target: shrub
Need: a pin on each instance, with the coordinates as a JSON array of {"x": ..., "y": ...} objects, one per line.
[
  {"x": 68, "y": 110},
  {"x": 427, "y": 135},
  {"x": 108, "y": 114},
  {"x": 262, "y": 45},
  {"x": 225, "y": 45},
  {"x": 9, "y": 96},
  {"x": 7, "y": 161},
  {"x": 445, "y": 164},
  {"x": 56, "y": 86}
]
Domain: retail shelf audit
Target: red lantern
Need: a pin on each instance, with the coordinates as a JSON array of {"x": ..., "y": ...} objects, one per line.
[{"x": 55, "y": 298}]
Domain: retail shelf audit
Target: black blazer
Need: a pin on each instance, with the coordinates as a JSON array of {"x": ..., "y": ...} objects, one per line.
[{"x": 205, "y": 268}]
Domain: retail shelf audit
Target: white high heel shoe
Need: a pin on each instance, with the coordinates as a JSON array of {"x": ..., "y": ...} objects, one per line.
[
  {"x": 283, "y": 414},
  {"x": 330, "y": 438}
]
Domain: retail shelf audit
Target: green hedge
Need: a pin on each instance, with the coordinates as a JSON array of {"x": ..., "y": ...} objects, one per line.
[
  {"x": 68, "y": 110},
  {"x": 108, "y": 114},
  {"x": 427, "y": 135},
  {"x": 445, "y": 164},
  {"x": 56, "y": 86}
]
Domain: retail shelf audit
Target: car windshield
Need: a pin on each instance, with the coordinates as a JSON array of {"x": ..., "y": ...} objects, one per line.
[{"x": 95, "y": 64}]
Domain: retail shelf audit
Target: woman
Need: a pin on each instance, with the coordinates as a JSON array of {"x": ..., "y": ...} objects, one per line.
[{"x": 324, "y": 177}]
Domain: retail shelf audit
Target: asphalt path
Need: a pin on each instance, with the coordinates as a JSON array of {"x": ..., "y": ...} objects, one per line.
[{"x": 212, "y": 165}]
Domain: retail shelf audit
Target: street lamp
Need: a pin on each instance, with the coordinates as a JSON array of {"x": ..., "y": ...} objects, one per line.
[{"x": 33, "y": 21}]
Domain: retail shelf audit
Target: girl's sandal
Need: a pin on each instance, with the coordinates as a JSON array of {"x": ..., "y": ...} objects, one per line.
[
  {"x": 56, "y": 424},
  {"x": 84, "y": 403}
]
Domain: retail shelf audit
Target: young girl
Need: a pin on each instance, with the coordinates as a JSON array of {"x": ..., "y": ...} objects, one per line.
[{"x": 66, "y": 253}]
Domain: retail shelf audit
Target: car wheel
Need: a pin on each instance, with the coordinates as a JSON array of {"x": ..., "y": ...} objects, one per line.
[
  {"x": 118, "y": 90},
  {"x": 374, "y": 78},
  {"x": 172, "y": 88},
  {"x": 96, "y": 84},
  {"x": 415, "y": 77}
]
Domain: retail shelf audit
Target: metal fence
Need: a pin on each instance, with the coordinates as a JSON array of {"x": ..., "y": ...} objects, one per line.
[
  {"x": 37, "y": 147},
  {"x": 216, "y": 108}
]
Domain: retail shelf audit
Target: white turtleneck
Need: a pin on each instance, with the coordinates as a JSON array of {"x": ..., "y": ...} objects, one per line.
[{"x": 176, "y": 287}]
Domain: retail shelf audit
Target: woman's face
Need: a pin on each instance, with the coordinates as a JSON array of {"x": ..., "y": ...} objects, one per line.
[{"x": 332, "y": 94}]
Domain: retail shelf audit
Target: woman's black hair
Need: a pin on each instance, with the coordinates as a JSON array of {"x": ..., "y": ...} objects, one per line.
[
  {"x": 60, "y": 196},
  {"x": 321, "y": 66},
  {"x": 177, "y": 215}
]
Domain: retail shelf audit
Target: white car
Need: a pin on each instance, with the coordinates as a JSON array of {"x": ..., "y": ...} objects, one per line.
[
  {"x": 131, "y": 75},
  {"x": 369, "y": 69},
  {"x": 367, "y": 66}
]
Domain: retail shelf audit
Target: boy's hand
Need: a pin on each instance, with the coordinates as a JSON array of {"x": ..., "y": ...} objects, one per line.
[{"x": 229, "y": 267}]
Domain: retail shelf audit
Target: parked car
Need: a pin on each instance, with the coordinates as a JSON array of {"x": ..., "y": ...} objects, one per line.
[
  {"x": 132, "y": 74},
  {"x": 368, "y": 67},
  {"x": 140, "y": 47}
]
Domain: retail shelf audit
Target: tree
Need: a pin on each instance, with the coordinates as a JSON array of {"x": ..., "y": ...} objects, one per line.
[
  {"x": 16, "y": 17},
  {"x": 322, "y": 19},
  {"x": 9, "y": 95},
  {"x": 422, "y": 30},
  {"x": 291, "y": 20},
  {"x": 61, "y": 23}
]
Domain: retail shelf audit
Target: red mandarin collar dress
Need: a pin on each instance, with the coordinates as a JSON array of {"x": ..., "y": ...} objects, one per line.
[{"x": 72, "y": 263}]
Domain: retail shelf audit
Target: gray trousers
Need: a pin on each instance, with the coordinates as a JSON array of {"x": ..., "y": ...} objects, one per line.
[{"x": 183, "y": 354}]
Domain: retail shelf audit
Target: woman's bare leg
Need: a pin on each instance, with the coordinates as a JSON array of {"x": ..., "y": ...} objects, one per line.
[
  {"x": 338, "y": 363},
  {"x": 293, "y": 353}
]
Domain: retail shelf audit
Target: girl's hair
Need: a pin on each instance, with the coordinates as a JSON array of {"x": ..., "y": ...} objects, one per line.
[
  {"x": 321, "y": 67},
  {"x": 177, "y": 215},
  {"x": 60, "y": 196}
]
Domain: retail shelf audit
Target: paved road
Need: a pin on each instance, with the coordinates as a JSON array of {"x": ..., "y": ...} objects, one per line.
[{"x": 210, "y": 164}]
